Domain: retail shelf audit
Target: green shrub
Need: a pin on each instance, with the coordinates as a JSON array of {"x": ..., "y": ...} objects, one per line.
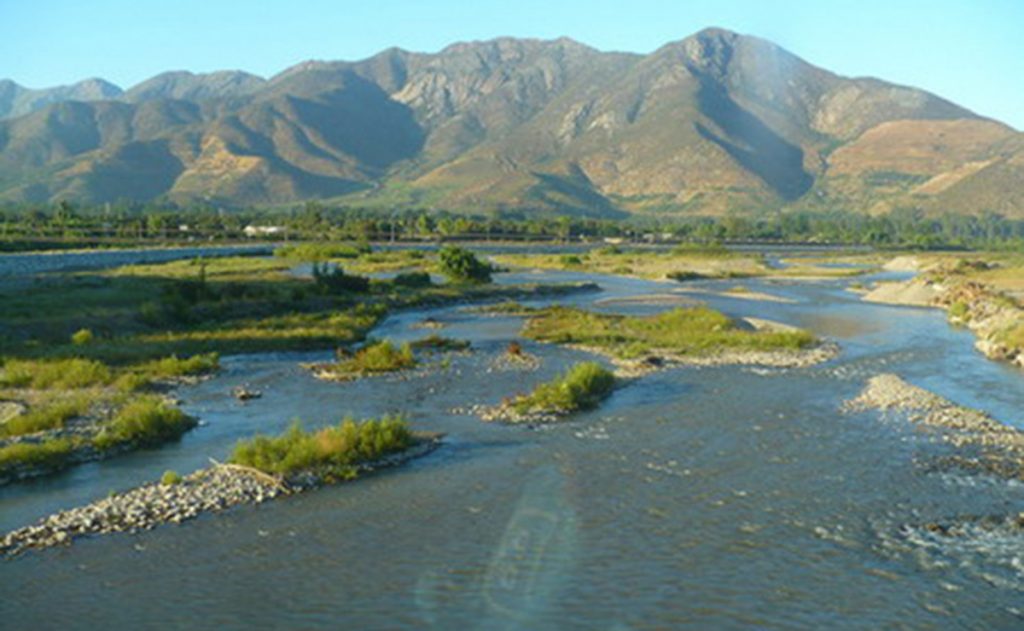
[
  {"x": 81, "y": 337},
  {"x": 581, "y": 387},
  {"x": 462, "y": 266},
  {"x": 145, "y": 421},
  {"x": 435, "y": 342},
  {"x": 170, "y": 478},
  {"x": 412, "y": 279},
  {"x": 47, "y": 453},
  {"x": 959, "y": 311},
  {"x": 333, "y": 280},
  {"x": 332, "y": 452},
  {"x": 46, "y": 417},
  {"x": 377, "y": 357},
  {"x": 684, "y": 275},
  {"x": 570, "y": 260},
  {"x": 59, "y": 373},
  {"x": 174, "y": 366}
]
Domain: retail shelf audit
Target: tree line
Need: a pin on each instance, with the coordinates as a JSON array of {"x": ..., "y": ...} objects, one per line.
[{"x": 68, "y": 225}]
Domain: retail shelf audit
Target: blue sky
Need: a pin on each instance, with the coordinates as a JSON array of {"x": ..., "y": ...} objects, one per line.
[{"x": 969, "y": 51}]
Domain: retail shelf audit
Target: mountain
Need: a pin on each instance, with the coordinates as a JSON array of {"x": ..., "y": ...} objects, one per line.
[
  {"x": 16, "y": 100},
  {"x": 717, "y": 122}
]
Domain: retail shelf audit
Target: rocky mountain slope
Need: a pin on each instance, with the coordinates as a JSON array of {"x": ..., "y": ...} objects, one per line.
[{"x": 714, "y": 123}]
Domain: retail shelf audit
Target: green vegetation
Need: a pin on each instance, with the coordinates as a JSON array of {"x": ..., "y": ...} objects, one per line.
[
  {"x": 170, "y": 478},
  {"x": 959, "y": 311},
  {"x": 59, "y": 373},
  {"x": 413, "y": 279},
  {"x": 319, "y": 251},
  {"x": 439, "y": 343},
  {"x": 81, "y": 337},
  {"x": 331, "y": 453},
  {"x": 333, "y": 280},
  {"x": 51, "y": 415},
  {"x": 145, "y": 421},
  {"x": 49, "y": 453},
  {"x": 683, "y": 331},
  {"x": 582, "y": 387},
  {"x": 173, "y": 366},
  {"x": 462, "y": 266},
  {"x": 374, "y": 358}
]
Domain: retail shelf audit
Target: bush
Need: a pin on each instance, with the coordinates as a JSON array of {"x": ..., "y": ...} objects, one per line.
[
  {"x": 463, "y": 266},
  {"x": 60, "y": 373},
  {"x": 684, "y": 275},
  {"x": 570, "y": 260},
  {"x": 959, "y": 311},
  {"x": 581, "y": 387},
  {"x": 170, "y": 478},
  {"x": 439, "y": 343},
  {"x": 413, "y": 279},
  {"x": 81, "y": 337},
  {"x": 333, "y": 280},
  {"x": 333, "y": 452},
  {"x": 145, "y": 421},
  {"x": 377, "y": 357},
  {"x": 174, "y": 367},
  {"x": 48, "y": 453},
  {"x": 51, "y": 416}
]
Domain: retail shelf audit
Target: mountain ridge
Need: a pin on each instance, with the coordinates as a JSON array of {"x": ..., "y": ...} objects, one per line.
[{"x": 717, "y": 122}]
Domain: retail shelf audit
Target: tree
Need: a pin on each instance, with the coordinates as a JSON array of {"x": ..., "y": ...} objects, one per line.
[{"x": 462, "y": 266}]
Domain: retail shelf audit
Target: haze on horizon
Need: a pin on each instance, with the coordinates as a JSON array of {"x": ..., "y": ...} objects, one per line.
[{"x": 967, "y": 52}]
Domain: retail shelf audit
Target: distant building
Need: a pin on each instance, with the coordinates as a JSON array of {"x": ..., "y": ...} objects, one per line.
[{"x": 263, "y": 231}]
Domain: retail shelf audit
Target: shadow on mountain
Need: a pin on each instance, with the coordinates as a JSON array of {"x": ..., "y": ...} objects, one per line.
[
  {"x": 361, "y": 120},
  {"x": 573, "y": 194},
  {"x": 752, "y": 143}
]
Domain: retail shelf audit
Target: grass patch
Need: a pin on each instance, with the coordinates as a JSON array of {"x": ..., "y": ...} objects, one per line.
[
  {"x": 582, "y": 387},
  {"x": 315, "y": 252},
  {"x": 50, "y": 416},
  {"x": 439, "y": 343},
  {"x": 332, "y": 452},
  {"x": 47, "y": 453},
  {"x": 374, "y": 358},
  {"x": 684, "y": 331},
  {"x": 54, "y": 374},
  {"x": 145, "y": 421},
  {"x": 173, "y": 366}
]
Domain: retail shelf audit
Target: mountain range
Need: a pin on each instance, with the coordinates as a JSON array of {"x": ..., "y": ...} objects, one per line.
[{"x": 715, "y": 123}]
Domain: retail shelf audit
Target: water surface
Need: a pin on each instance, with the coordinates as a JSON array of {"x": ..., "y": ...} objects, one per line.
[{"x": 701, "y": 497}]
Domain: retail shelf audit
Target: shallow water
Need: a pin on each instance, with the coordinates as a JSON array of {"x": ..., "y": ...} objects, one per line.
[
  {"x": 23, "y": 264},
  {"x": 704, "y": 497}
]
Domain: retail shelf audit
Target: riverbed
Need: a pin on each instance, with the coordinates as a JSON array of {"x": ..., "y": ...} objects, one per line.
[{"x": 724, "y": 497}]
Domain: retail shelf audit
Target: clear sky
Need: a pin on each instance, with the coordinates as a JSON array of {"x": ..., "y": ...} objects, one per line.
[{"x": 969, "y": 51}]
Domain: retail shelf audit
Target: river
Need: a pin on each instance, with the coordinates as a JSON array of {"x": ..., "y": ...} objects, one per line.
[{"x": 694, "y": 497}]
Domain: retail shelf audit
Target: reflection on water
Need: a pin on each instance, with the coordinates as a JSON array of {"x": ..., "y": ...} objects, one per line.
[{"x": 703, "y": 497}]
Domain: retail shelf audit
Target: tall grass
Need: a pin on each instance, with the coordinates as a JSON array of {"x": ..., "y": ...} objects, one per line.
[
  {"x": 332, "y": 452},
  {"x": 580, "y": 388},
  {"x": 46, "y": 453},
  {"x": 174, "y": 366},
  {"x": 144, "y": 421},
  {"x": 46, "y": 417},
  {"x": 376, "y": 357},
  {"x": 54, "y": 373}
]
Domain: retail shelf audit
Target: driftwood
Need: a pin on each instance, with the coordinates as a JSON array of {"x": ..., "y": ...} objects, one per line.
[{"x": 266, "y": 477}]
